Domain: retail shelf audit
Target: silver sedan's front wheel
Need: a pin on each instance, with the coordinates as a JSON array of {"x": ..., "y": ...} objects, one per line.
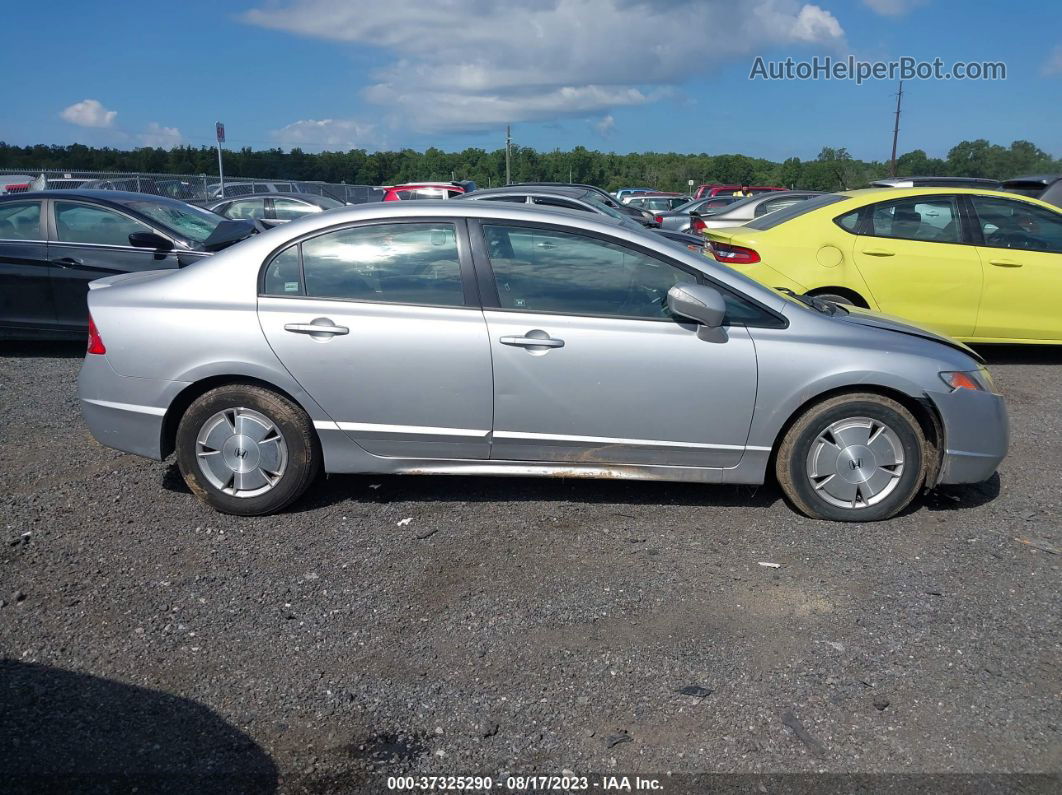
[
  {"x": 855, "y": 462},
  {"x": 246, "y": 450},
  {"x": 241, "y": 452},
  {"x": 857, "y": 457}
]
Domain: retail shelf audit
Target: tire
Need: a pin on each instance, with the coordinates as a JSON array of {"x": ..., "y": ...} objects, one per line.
[
  {"x": 822, "y": 463},
  {"x": 259, "y": 471},
  {"x": 835, "y": 298}
]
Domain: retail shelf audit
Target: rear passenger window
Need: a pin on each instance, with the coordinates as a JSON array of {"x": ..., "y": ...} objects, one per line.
[
  {"x": 394, "y": 263},
  {"x": 20, "y": 221},
  {"x": 283, "y": 275},
  {"x": 931, "y": 219}
]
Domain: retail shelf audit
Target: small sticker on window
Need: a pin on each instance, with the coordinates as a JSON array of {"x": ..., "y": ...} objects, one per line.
[
  {"x": 518, "y": 302},
  {"x": 291, "y": 287}
]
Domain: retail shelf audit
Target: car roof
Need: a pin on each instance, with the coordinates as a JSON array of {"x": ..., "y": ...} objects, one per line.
[
  {"x": 306, "y": 197},
  {"x": 112, "y": 196},
  {"x": 1037, "y": 179},
  {"x": 544, "y": 190},
  {"x": 902, "y": 192}
]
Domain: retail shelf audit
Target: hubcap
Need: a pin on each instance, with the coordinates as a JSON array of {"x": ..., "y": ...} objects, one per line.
[
  {"x": 241, "y": 452},
  {"x": 855, "y": 462}
]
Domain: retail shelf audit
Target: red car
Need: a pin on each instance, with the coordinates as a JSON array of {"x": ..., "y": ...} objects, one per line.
[
  {"x": 422, "y": 190},
  {"x": 715, "y": 190}
]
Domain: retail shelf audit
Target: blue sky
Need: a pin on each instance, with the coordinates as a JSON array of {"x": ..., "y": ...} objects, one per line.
[{"x": 614, "y": 75}]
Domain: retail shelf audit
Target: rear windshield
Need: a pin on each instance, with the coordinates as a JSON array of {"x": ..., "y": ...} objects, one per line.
[{"x": 771, "y": 220}]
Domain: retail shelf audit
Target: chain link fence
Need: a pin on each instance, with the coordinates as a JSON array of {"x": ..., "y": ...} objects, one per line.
[{"x": 196, "y": 188}]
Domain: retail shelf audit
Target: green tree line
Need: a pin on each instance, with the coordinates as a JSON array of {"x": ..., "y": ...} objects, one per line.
[{"x": 833, "y": 169}]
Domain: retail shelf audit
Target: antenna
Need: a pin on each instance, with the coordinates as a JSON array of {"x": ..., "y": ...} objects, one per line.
[{"x": 895, "y": 132}]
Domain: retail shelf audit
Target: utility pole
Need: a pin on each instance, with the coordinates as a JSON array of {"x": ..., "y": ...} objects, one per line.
[
  {"x": 508, "y": 143},
  {"x": 895, "y": 132}
]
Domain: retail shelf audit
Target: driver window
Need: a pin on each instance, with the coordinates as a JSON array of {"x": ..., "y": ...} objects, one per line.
[
  {"x": 83, "y": 223},
  {"x": 539, "y": 270},
  {"x": 1010, "y": 224}
]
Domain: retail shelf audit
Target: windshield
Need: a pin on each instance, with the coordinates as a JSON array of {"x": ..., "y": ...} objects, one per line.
[
  {"x": 188, "y": 221},
  {"x": 771, "y": 220},
  {"x": 592, "y": 199},
  {"x": 328, "y": 203}
]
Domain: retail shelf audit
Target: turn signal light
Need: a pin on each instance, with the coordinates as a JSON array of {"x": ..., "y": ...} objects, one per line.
[
  {"x": 960, "y": 380},
  {"x": 95, "y": 341}
]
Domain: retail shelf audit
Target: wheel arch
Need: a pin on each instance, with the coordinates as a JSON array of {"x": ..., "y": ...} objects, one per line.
[
  {"x": 921, "y": 408},
  {"x": 847, "y": 292},
  {"x": 180, "y": 403}
]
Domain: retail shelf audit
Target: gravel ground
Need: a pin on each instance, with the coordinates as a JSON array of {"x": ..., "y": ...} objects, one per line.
[{"x": 514, "y": 625}]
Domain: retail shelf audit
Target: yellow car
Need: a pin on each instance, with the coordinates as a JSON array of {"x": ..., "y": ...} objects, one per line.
[{"x": 978, "y": 265}]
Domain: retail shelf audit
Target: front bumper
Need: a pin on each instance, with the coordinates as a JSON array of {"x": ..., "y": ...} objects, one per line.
[
  {"x": 123, "y": 412},
  {"x": 976, "y": 434}
]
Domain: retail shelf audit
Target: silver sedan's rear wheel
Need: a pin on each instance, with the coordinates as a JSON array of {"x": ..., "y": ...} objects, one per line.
[
  {"x": 246, "y": 450},
  {"x": 856, "y": 458},
  {"x": 241, "y": 452}
]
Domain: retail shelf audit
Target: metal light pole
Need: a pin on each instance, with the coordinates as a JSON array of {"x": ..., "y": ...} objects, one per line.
[
  {"x": 508, "y": 142},
  {"x": 219, "y": 128}
]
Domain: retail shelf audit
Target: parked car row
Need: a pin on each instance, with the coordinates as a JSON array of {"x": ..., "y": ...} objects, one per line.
[
  {"x": 488, "y": 336},
  {"x": 597, "y": 297}
]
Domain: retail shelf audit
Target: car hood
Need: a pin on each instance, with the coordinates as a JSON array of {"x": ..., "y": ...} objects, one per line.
[{"x": 865, "y": 317}]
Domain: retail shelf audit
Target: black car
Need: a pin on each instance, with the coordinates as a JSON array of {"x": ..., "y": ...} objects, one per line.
[
  {"x": 272, "y": 209},
  {"x": 1045, "y": 187},
  {"x": 52, "y": 244}
]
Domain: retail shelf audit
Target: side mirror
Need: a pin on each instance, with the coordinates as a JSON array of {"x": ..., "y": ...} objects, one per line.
[
  {"x": 150, "y": 240},
  {"x": 698, "y": 302}
]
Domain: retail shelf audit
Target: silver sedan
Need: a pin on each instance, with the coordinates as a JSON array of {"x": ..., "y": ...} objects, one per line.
[{"x": 499, "y": 339}]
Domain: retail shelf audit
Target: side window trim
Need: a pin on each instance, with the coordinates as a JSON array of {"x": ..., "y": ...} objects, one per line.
[
  {"x": 864, "y": 223},
  {"x": 488, "y": 288},
  {"x": 464, "y": 258}
]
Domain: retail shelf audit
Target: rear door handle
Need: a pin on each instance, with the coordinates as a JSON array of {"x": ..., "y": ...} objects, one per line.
[
  {"x": 319, "y": 325},
  {"x": 532, "y": 342},
  {"x": 1005, "y": 263},
  {"x": 67, "y": 262},
  {"x": 878, "y": 252}
]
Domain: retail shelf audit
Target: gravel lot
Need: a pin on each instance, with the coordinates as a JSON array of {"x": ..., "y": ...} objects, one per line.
[{"x": 515, "y": 626}]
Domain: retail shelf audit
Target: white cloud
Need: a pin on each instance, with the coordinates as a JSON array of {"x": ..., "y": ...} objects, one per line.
[
  {"x": 605, "y": 125},
  {"x": 157, "y": 135},
  {"x": 327, "y": 134},
  {"x": 89, "y": 113},
  {"x": 892, "y": 8},
  {"x": 1053, "y": 65},
  {"x": 467, "y": 64}
]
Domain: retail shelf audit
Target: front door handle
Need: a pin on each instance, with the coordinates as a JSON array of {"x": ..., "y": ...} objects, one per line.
[
  {"x": 1005, "y": 263},
  {"x": 318, "y": 328},
  {"x": 879, "y": 252},
  {"x": 67, "y": 262},
  {"x": 535, "y": 339}
]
